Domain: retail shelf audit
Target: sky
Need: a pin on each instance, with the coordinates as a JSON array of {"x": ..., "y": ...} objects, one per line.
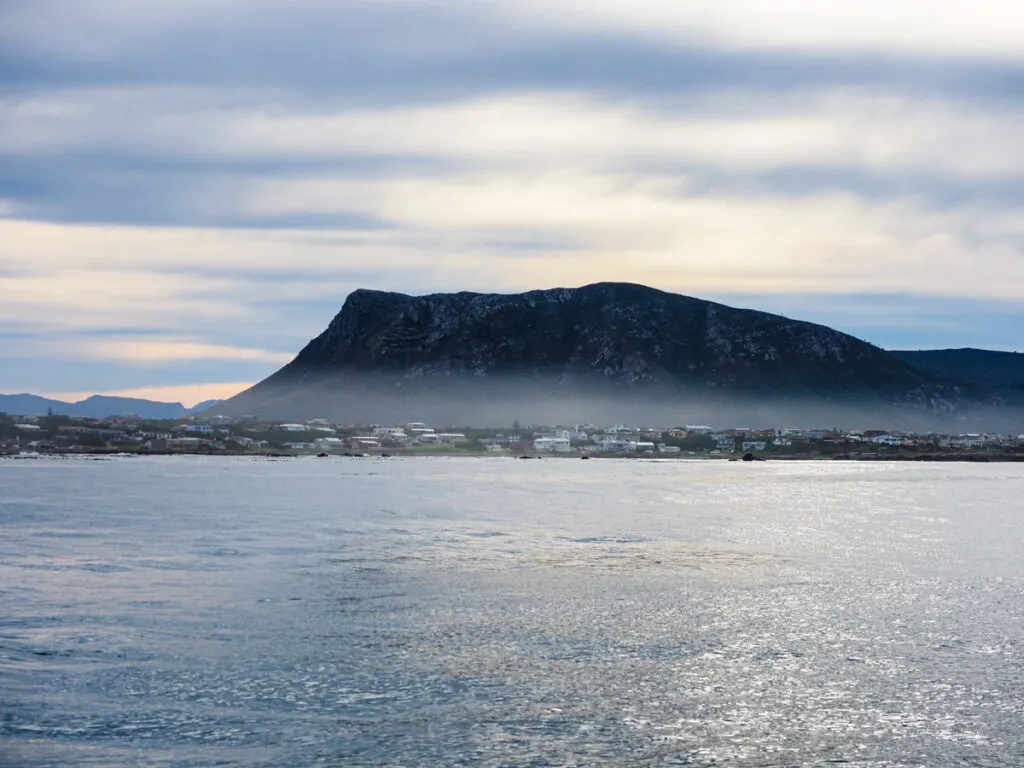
[{"x": 190, "y": 189}]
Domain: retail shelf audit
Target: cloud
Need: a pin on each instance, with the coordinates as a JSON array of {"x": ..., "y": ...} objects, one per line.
[
  {"x": 738, "y": 132},
  {"x": 146, "y": 351},
  {"x": 657, "y": 229},
  {"x": 942, "y": 28},
  {"x": 599, "y": 227},
  {"x": 143, "y": 350},
  {"x": 64, "y": 294},
  {"x": 315, "y": 31}
]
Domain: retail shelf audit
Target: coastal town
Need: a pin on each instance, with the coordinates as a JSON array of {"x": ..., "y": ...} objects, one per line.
[{"x": 33, "y": 434}]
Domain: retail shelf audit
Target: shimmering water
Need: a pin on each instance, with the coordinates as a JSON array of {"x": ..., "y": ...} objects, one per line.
[{"x": 495, "y": 612}]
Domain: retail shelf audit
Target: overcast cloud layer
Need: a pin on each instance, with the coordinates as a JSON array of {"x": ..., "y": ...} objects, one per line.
[{"x": 190, "y": 189}]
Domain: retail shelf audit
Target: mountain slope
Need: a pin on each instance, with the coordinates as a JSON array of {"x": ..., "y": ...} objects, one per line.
[
  {"x": 1001, "y": 372},
  {"x": 205, "y": 405},
  {"x": 619, "y": 341}
]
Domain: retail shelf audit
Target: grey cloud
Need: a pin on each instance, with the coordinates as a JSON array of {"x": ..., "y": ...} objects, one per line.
[
  {"x": 399, "y": 52},
  {"x": 317, "y": 57},
  {"x": 75, "y": 189}
]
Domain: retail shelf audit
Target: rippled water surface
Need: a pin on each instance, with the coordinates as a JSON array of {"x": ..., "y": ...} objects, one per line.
[{"x": 495, "y": 612}]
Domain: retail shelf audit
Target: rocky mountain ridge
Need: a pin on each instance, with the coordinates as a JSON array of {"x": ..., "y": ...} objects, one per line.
[
  {"x": 1001, "y": 373},
  {"x": 625, "y": 334},
  {"x": 620, "y": 341}
]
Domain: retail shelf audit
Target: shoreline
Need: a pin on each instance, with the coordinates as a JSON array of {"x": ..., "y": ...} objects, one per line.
[{"x": 974, "y": 457}]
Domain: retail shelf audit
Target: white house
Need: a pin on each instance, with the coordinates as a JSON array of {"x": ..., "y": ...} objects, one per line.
[
  {"x": 363, "y": 442},
  {"x": 698, "y": 429},
  {"x": 451, "y": 438},
  {"x": 248, "y": 442},
  {"x": 753, "y": 445},
  {"x": 293, "y": 427},
  {"x": 552, "y": 445},
  {"x": 963, "y": 441},
  {"x": 887, "y": 440},
  {"x": 612, "y": 444},
  {"x": 329, "y": 443}
]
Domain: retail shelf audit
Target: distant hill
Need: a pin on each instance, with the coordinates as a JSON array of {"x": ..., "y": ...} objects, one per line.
[
  {"x": 205, "y": 405},
  {"x": 1001, "y": 372},
  {"x": 98, "y": 407},
  {"x": 609, "y": 348}
]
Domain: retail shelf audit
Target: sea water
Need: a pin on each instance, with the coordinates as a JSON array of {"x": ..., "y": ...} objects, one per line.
[{"x": 494, "y": 612}]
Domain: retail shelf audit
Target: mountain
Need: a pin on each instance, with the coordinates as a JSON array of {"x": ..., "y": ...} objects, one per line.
[
  {"x": 96, "y": 407},
  {"x": 29, "y": 405},
  {"x": 619, "y": 349},
  {"x": 1000, "y": 372},
  {"x": 205, "y": 405},
  {"x": 99, "y": 406}
]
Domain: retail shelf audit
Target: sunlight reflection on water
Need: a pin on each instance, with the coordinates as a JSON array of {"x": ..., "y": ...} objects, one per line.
[{"x": 185, "y": 611}]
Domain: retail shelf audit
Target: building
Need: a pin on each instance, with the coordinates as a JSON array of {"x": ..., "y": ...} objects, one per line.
[
  {"x": 329, "y": 444},
  {"x": 724, "y": 441},
  {"x": 552, "y": 445},
  {"x": 612, "y": 444},
  {"x": 887, "y": 439},
  {"x": 391, "y": 434},
  {"x": 963, "y": 441},
  {"x": 362, "y": 443},
  {"x": 186, "y": 443},
  {"x": 250, "y": 443}
]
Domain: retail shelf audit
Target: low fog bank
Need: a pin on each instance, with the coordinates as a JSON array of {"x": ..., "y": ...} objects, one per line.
[{"x": 494, "y": 403}]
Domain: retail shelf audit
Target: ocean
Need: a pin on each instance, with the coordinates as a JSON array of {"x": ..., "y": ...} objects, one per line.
[{"x": 191, "y": 611}]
